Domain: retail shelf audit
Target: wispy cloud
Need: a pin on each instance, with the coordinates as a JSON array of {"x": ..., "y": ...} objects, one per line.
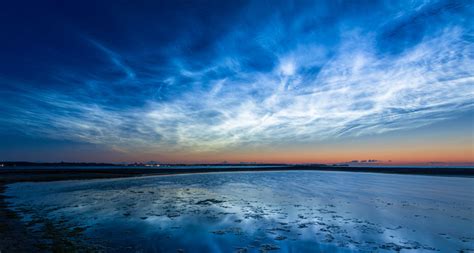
[
  {"x": 307, "y": 91},
  {"x": 115, "y": 59}
]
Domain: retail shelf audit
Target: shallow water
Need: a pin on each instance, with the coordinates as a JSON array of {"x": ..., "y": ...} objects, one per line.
[{"x": 250, "y": 212}]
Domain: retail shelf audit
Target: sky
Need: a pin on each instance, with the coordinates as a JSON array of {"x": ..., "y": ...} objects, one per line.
[{"x": 237, "y": 81}]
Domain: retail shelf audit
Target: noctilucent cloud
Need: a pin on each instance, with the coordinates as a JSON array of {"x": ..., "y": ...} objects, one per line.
[{"x": 267, "y": 81}]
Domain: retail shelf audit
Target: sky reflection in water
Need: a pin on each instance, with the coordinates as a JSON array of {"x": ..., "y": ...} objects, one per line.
[{"x": 288, "y": 211}]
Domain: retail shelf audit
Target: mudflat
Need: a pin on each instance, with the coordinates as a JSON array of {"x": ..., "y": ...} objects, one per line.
[{"x": 17, "y": 236}]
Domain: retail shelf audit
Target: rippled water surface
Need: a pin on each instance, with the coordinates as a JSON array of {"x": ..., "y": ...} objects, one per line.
[{"x": 261, "y": 211}]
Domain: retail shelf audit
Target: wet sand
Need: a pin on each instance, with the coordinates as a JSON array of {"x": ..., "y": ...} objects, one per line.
[{"x": 15, "y": 236}]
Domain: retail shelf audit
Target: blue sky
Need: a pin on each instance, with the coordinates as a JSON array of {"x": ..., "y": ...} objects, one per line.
[{"x": 112, "y": 80}]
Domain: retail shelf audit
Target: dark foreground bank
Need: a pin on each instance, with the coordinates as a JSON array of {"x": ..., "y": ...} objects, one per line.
[{"x": 16, "y": 236}]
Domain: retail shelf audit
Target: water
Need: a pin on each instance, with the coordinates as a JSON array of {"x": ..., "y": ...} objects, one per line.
[{"x": 250, "y": 212}]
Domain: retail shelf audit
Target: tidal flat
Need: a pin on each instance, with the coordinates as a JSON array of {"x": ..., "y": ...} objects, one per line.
[{"x": 292, "y": 211}]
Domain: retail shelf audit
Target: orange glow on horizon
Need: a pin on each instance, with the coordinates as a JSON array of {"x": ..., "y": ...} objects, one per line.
[{"x": 405, "y": 155}]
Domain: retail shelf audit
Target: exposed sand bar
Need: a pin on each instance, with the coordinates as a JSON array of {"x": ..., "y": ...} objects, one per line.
[{"x": 17, "y": 174}]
